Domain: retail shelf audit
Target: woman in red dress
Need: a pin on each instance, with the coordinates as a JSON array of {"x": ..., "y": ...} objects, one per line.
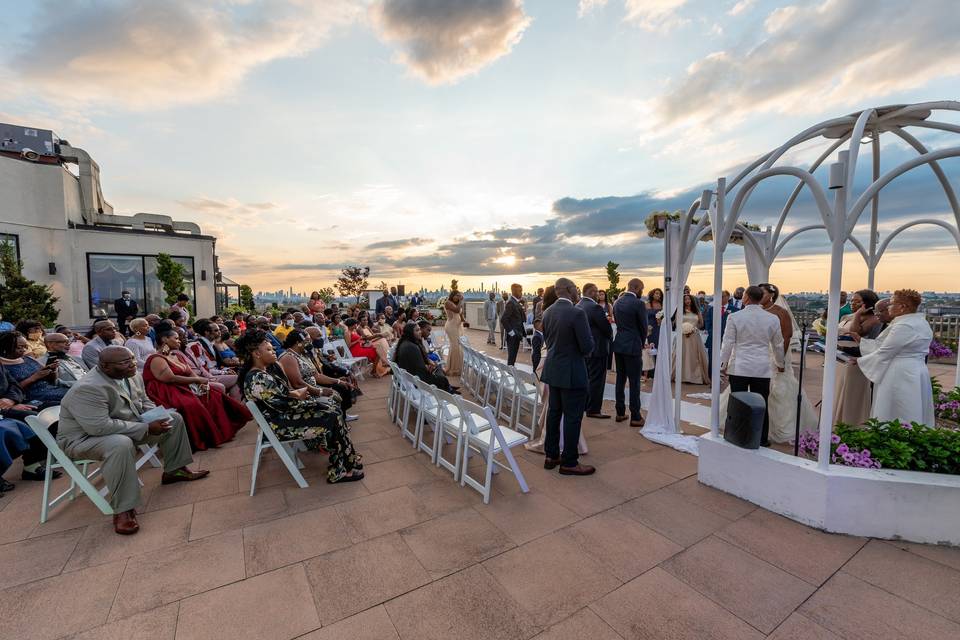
[
  {"x": 360, "y": 347},
  {"x": 212, "y": 418}
]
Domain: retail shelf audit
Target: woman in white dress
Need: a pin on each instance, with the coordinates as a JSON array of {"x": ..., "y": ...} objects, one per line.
[{"x": 695, "y": 368}]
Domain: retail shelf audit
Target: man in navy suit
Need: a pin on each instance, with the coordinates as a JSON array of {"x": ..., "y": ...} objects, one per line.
[
  {"x": 708, "y": 321},
  {"x": 602, "y": 333},
  {"x": 567, "y": 334},
  {"x": 630, "y": 314},
  {"x": 126, "y": 308},
  {"x": 536, "y": 345},
  {"x": 512, "y": 322}
]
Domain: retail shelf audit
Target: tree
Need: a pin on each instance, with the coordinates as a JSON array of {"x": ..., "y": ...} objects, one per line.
[
  {"x": 246, "y": 297},
  {"x": 614, "y": 277},
  {"x": 353, "y": 281},
  {"x": 20, "y": 297},
  {"x": 326, "y": 294},
  {"x": 170, "y": 275}
]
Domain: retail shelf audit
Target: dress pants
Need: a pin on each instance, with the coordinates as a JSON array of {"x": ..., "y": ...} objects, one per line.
[
  {"x": 492, "y": 335},
  {"x": 567, "y": 404},
  {"x": 628, "y": 372},
  {"x": 119, "y": 455},
  {"x": 597, "y": 374},
  {"x": 756, "y": 385},
  {"x": 513, "y": 347}
]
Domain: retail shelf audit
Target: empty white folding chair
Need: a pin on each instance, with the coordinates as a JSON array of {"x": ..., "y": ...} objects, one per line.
[
  {"x": 286, "y": 450},
  {"x": 443, "y": 414},
  {"x": 339, "y": 349},
  {"x": 496, "y": 373},
  {"x": 527, "y": 403},
  {"x": 81, "y": 478},
  {"x": 527, "y": 342},
  {"x": 454, "y": 432},
  {"x": 506, "y": 393},
  {"x": 488, "y": 443},
  {"x": 393, "y": 398},
  {"x": 410, "y": 396}
]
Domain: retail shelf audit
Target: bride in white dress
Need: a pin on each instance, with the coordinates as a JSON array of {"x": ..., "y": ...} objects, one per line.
[{"x": 782, "y": 401}]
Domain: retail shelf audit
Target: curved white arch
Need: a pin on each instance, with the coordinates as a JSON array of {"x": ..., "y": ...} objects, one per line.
[
  {"x": 819, "y": 195},
  {"x": 854, "y": 150},
  {"x": 913, "y": 223},
  {"x": 935, "y": 167}
]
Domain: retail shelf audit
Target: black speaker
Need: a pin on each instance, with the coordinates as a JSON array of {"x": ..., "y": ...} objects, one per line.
[
  {"x": 744, "y": 425},
  {"x": 401, "y": 289}
]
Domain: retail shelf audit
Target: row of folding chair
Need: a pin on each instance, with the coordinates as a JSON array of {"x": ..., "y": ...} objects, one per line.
[
  {"x": 339, "y": 350},
  {"x": 513, "y": 394},
  {"x": 432, "y": 418}
]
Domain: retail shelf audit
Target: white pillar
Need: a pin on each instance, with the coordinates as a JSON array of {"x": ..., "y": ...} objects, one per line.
[
  {"x": 874, "y": 214},
  {"x": 838, "y": 237},
  {"x": 717, "y": 223}
]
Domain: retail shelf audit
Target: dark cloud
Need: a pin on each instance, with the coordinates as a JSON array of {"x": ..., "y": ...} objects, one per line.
[
  {"x": 397, "y": 244},
  {"x": 442, "y": 41}
]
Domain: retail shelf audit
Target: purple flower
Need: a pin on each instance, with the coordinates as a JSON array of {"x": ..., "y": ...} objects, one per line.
[
  {"x": 842, "y": 449},
  {"x": 835, "y": 439}
]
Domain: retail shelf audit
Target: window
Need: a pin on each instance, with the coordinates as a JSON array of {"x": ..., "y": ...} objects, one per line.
[
  {"x": 108, "y": 274},
  {"x": 13, "y": 239}
]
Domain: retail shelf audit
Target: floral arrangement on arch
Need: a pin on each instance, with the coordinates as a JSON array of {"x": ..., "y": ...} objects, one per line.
[{"x": 654, "y": 231}]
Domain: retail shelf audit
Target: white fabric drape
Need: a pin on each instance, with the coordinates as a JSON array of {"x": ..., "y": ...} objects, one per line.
[{"x": 757, "y": 269}]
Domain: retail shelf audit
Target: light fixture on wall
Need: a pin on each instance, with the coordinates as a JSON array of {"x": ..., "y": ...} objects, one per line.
[
  {"x": 838, "y": 175},
  {"x": 203, "y": 274},
  {"x": 52, "y": 267}
]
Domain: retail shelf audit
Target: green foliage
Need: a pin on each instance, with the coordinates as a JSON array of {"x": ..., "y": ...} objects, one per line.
[
  {"x": 246, "y": 298},
  {"x": 613, "y": 276},
  {"x": 913, "y": 447},
  {"x": 353, "y": 281},
  {"x": 170, "y": 275},
  {"x": 20, "y": 297},
  {"x": 230, "y": 310},
  {"x": 326, "y": 294}
]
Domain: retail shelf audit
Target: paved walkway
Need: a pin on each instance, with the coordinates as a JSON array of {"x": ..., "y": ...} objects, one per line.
[{"x": 640, "y": 550}]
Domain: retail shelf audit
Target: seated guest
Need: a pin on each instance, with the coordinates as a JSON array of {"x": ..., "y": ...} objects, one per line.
[
  {"x": 338, "y": 330},
  {"x": 15, "y": 438},
  {"x": 13, "y": 405},
  {"x": 69, "y": 369},
  {"x": 329, "y": 367},
  {"x": 76, "y": 341},
  {"x": 361, "y": 348},
  {"x": 263, "y": 323},
  {"x": 385, "y": 329},
  {"x": 6, "y": 326},
  {"x": 427, "y": 342},
  {"x": 240, "y": 320},
  {"x": 153, "y": 320},
  {"x": 373, "y": 336},
  {"x": 140, "y": 342},
  {"x": 412, "y": 358},
  {"x": 413, "y": 315},
  {"x": 224, "y": 345},
  {"x": 104, "y": 334},
  {"x": 38, "y": 381},
  {"x": 301, "y": 371},
  {"x": 294, "y": 414},
  {"x": 206, "y": 358},
  {"x": 388, "y": 314},
  {"x": 100, "y": 420},
  {"x": 33, "y": 332},
  {"x": 399, "y": 324},
  {"x": 212, "y": 418},
  {"x": 285, "y": 327}
]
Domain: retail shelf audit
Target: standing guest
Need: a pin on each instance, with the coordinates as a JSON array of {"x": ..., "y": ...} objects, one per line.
[
  {"x": 100, "y": 420},
  {"x": 293, "y": 413},
  {"x": 538, "y": 305},
  {"x": 846, "y": 308},
  {"x": 38, "y": 381},
  {"x": 708, "y": 320},
  {"x": 567, "y": 334},
  {"x": 416, "y": 300},
  {"x": 212, "y": 418},
  {"x": 750, "y": 336},
  {"x": 631, "y": 316},
  {"x": 602, "y": 334},
  {"x": 139, "y": 341},
  {"x": 896, "y": 364},
  {"x": 852, "y": 395},
  {"x": 412, "y": 358},
  {"x": 32, "y": 331},
  {"x": 180, "y": 306},
  {"x": 501, "y": 305},
  {"x": 105, "y": 334},
  {"x": 737, "y": 303},
  {"x": 536, "y": 345},
  {"x": 125, "y": 307},
  {"x": 240, "y": 320},
  {"x": 453, "y": 328},
  {"x": 702, "y": 302},
  {"x": 316, "y": 305},
  {"x": 694, "y": 368},
  {"x": 512, "y": 323},
  {"x": 69, "y": 369},
  {"x": 882, "y": 311},
  {"x": 654, "y": 318},
  {"x": 490, "y": 315},
  {"x": 6, "y": 326},
  {"x": 606, "y": 306}
]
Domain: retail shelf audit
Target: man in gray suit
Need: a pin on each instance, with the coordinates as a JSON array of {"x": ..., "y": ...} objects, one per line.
[
  {"x": 567, "y": 334},
  {"x": 69, "y": 369},
  {"x": 630, "y": 314},
  {"x": 597, "y": 361},
  {"x": 100, "y": 420},
  {"x": 490, "y": 315}
]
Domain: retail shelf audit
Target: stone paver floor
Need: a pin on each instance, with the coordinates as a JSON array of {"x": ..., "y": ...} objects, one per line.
[{"x": 640, "y": 550}]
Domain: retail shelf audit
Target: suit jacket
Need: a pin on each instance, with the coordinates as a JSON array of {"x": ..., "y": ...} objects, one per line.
[
  {"x": 490, "y": 310},
  {"x": 125, "y": 310},
  {"x": 566, "y": 331},
  {"x": 630, "y": 314},
  {"x": 749, "y": 336},
  {"x": 536, "y": 347},
  {"x": 733, "y": 305},
  {"x": 708, "y": 322},
  {"x": 100, "y": 406},
  {"x": 69, "y": 369},
  {"x": 600, "y": 327},
  {"x": 512, "y": 318}
]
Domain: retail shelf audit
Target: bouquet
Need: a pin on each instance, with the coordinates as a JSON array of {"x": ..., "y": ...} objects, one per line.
[{"x": 687, "y": 328}]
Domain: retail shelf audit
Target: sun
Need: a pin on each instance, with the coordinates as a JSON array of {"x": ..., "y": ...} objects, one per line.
[{"x": 508, "y": 260}]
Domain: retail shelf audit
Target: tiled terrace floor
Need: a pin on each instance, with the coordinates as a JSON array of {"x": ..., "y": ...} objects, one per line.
[{"x": 640, "y": 550}]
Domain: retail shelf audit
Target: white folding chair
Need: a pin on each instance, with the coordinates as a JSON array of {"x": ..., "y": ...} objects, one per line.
[
  {"x": 411, "y": 398},
  {"x": 496, "y": 372},
  {"x": 527, "y": 343},
  {"x": 81, "y": 479},
  {"x": 527, "y": 397},
  {"x": 488, "y": 442},
  {"x": 345, "y": 359},
  {"x": 442, "y": 413},
  {"x": 394, "y": 397},
  {"x": 506, "y": 392},
  {"x": 469, "y": 368},
  {"x": 286, "y": 450}
]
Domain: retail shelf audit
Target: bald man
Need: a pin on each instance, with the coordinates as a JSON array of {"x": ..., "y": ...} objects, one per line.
[
  {"x": 512, "y": 322},
  {"x": 106, "y": 334},
  {"x": 69, "y": 369},
  {"x": 100, "y": 420},
  {"x": 630, "y": 314}
]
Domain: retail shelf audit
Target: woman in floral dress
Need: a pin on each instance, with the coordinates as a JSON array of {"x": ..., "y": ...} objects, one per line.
[{"x": 294, "y": 414}]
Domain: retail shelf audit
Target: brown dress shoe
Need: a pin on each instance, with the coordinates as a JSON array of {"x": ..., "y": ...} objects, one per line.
[
  {"x": 598, "y": 416},
  {"x": 638, "y": 423},
  {"x": 550, "y": 463},
  {"x": 126, "y": 523},
  {"x": 579, "y": 470},
  {"x": 182, "y": 475},
  {"x": 621, "y": 418}
]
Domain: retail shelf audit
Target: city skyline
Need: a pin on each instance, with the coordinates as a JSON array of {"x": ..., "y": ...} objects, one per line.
[{"x": 497, "y": 140}]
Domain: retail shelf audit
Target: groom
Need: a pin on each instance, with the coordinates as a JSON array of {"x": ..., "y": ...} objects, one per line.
[{"x": 750, "y": 333}]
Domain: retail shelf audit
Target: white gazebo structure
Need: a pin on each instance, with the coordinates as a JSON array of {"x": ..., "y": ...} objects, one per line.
[{"x": 916, "y": 506}]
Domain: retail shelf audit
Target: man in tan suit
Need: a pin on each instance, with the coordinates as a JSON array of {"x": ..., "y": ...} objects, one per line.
[{"x": 100, "y": 420}]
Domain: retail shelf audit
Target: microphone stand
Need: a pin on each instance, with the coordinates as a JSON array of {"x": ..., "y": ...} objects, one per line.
[{"x": 803, "y": 356}]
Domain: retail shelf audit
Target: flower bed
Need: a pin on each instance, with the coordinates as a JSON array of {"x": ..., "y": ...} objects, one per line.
[{"x": 890, "y": 445}]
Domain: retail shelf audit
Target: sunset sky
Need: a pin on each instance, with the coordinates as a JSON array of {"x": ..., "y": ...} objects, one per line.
[{"x": 488, "y": 140}]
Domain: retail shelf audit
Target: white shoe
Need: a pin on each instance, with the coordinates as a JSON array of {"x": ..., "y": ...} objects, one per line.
[{"x": 352, "y": 418}]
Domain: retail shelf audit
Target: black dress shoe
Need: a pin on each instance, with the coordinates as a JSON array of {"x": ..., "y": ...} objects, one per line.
[
  {"x": 6, "y": 486},
  {"x": 39, "y": 475},
  {"x": 550, "y": 463}
]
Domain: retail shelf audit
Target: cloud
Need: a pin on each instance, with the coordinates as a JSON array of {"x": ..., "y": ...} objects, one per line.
[
  {"x": 650, "y": 15},
  {"x": 815, "y": 57},
  {"x": 146, "y": 55},
  {"x": 230, "y": 209},
  {"x": 444, "y": 41},
  {"x": 741, "y": 7},
  {"x": 398, "y": 244}
]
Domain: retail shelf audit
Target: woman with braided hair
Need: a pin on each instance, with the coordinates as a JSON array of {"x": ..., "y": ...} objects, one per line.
[{"x": 294, "y": 414}]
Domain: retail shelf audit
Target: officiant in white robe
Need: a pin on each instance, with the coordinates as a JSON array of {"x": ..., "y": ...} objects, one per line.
[{"x": 896, "y": 364}]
